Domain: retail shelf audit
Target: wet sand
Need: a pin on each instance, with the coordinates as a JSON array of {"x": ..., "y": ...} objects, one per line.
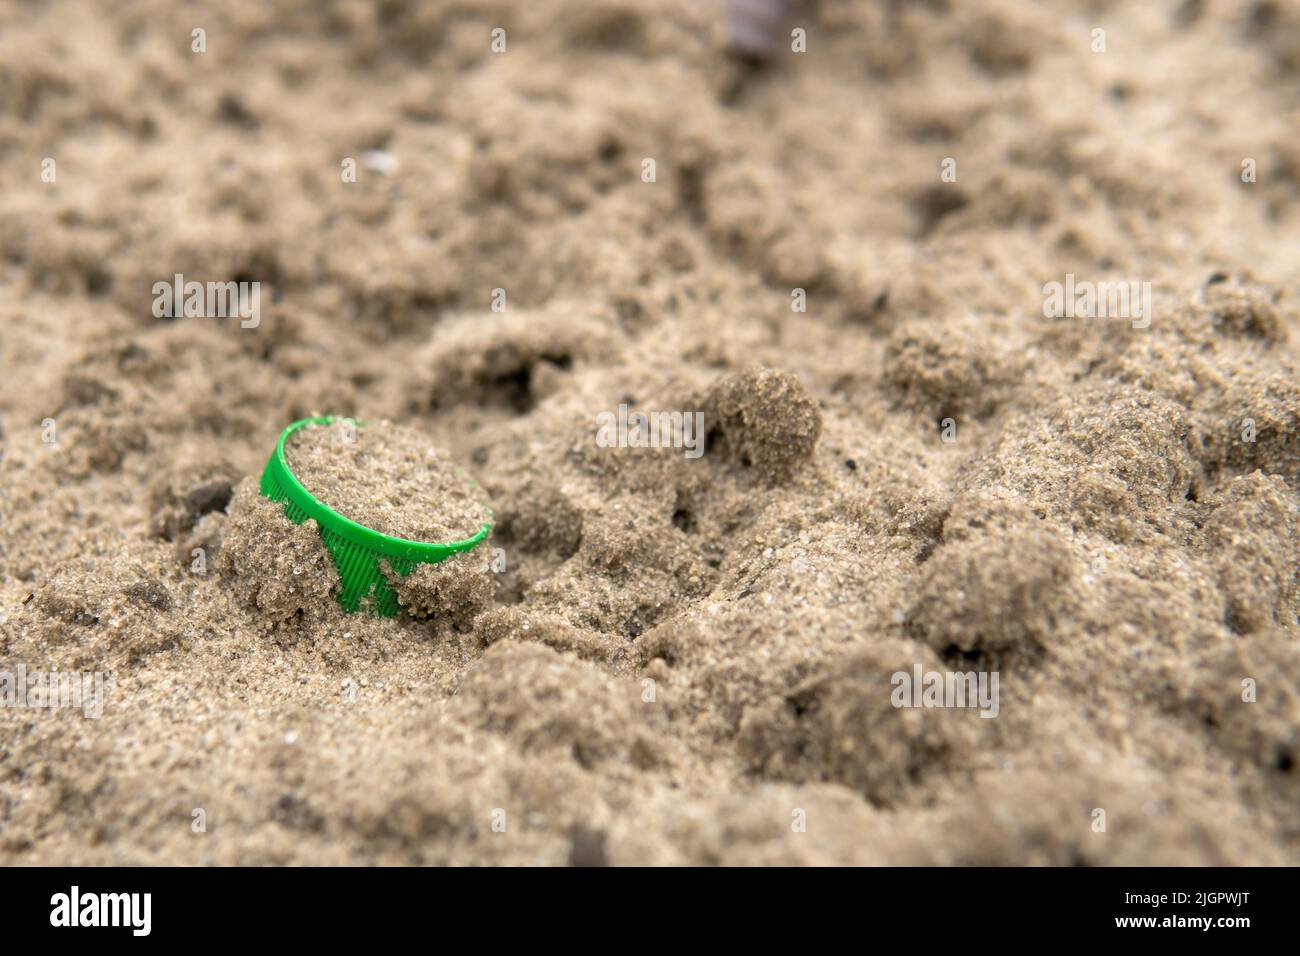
[{"x": 911, "y": 463}]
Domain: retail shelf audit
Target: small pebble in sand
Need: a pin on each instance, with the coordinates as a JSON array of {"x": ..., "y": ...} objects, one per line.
[{"x": 388, "y": 478}]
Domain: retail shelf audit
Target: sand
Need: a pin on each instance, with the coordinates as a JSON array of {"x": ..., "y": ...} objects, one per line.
[
  {"x": 388, "y": 478},
  {"x": 659, "y": 658}
]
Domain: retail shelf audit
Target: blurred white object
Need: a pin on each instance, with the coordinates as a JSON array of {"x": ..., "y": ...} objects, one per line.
[
  {"x": 753, "y": 26},
  {"x": 380, "y": 161}
]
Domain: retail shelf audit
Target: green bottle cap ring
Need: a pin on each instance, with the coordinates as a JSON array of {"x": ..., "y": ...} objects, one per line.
[{"x": 356, "y": 549}]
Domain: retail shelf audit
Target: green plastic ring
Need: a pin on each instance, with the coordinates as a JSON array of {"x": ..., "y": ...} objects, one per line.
[{"x": 356, "y": 549}]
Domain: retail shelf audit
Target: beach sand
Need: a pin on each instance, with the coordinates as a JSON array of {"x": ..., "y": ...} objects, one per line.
[
  {"x": 839, "y": 258},
  {"x": 388, "y": 478}
]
